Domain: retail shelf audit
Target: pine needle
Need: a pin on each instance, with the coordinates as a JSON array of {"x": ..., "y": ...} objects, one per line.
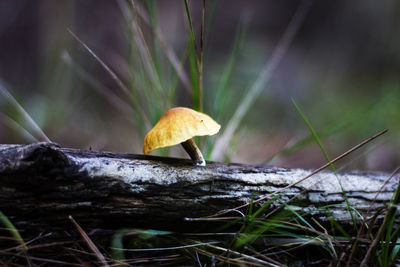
[{"x": 90, "y": 243}]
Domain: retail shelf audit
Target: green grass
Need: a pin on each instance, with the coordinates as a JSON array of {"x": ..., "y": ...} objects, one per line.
[
  {"x": 388, "y": 236},
  {"x": 12, "y": 230},
  {"x": 325, "y": 153},
  {"x": 22, "y": 119}
]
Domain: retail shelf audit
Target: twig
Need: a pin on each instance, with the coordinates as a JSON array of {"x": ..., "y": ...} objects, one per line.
[{"x": 309, "y": 175}]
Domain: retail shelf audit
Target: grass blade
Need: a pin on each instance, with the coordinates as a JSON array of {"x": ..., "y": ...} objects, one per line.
[
  {"x": 17, "y": 127},
  {"x": 314, "y": 134},
  {"x": 309, "y": 175},
  {"x": 321, "y": 146},
  {"x": 384, "y": 233},
  {"x": 145, "y": 52},
  {"x": 104, "y": 65},
  {"x": 114, "y": 99},
  {"x": 189, "y": 17},
  {"x": 289, "y": 149},
  {"x": 169, "y": 52},
  {"x": 200, "y": 101},
  {"x": 31, "y": 123},
  {"x": 222, "y": 143},
  {"x": 14, "y": 232},
  {"x": 194, "y": 75},
  {"x": 220, "y": 99},
  {"x": 195, "y": 61},
  {"x": 241, "y": 255},
  {"x": 114, "y": 76},
  {"x": 168, "y": 248},
  {"x": 362, "y": 228}
]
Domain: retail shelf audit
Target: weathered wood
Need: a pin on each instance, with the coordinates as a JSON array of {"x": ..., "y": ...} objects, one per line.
[{"x": 41, "y": 184}]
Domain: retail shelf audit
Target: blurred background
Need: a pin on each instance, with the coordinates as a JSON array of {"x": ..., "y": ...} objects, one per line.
[{"x": 342, "y": 68}]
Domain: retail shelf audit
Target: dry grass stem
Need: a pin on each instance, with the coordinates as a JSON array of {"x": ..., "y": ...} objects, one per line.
[{"x": 90, "y": 243}]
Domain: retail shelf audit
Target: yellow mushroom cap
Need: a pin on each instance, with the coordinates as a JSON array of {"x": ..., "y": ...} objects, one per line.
[{"x": 178, "y": 125}]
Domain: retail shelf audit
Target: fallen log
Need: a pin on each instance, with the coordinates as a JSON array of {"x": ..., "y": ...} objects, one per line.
[{"x": 42, "y": 183}]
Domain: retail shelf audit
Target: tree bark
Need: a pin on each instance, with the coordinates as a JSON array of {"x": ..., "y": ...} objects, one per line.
[{"x": 41, "y": 184}]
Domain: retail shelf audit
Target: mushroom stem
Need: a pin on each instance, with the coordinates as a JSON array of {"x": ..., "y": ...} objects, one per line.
[{"x": 194, "y": 152}]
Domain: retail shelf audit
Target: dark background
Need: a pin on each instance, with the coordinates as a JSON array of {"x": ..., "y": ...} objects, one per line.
[{"x": 343, "y": 69}]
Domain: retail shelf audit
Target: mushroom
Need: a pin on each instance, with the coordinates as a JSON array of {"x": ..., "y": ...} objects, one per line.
[{"x": 178, "y": 126}]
